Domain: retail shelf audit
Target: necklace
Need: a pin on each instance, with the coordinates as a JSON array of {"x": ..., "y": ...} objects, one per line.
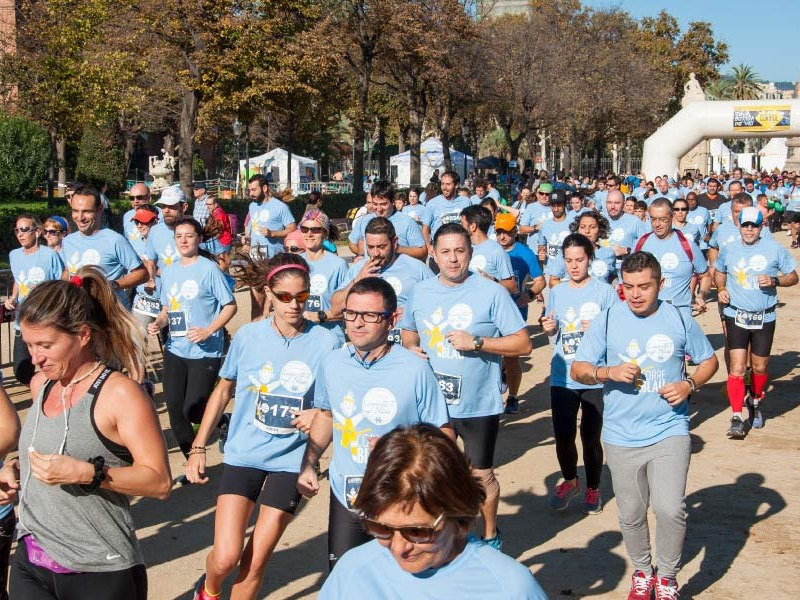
[{"x": 288, "y": 338}]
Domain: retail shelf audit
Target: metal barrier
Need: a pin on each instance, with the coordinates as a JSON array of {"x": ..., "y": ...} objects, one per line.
[{"x": 7, "y": 322}]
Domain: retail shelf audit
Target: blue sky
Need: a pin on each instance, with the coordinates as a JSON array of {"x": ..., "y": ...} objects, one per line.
[{"x": 763, "y": 34}]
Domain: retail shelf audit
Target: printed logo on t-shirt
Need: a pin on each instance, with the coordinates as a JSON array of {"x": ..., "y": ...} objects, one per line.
[
  {"x": 660, "y": 348},
  {"x": 26, "y": 283},
  {"x": 190, "y": 289},
  {"x": 617, "y": 234},
  {"x": 478, "y": 263},
  {"x": 379, "y": 406},
  {"x": 598, "y": 269},
  {"x": 396, "y": 284},
  {"x": 458, "y": 317},
  {"x": 747, "y": 272},
  {"x": 319, "y": 283},
  {"x": 347, "y": 420},
  {"x": 169, "y": 255},
  {"x": 91, "y": 257},
  {"x": 669, "y": 261},
  {"x": 651, "y": 378}
]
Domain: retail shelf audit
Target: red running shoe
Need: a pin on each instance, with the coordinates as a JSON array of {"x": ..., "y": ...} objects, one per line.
[{"x": 642, "y": 586}]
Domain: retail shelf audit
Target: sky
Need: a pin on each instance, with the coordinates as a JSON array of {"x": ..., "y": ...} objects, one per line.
[{"x": 763, "y": 34}]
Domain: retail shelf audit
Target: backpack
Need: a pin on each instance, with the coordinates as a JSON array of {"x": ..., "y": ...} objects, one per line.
[{"x": 681, "y": 238}]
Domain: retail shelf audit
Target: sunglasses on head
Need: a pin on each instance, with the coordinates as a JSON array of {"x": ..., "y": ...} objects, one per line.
[
  {"x": 314, "y": 230},
  {"x": 416, "y": 534},
  {"x": 24, "y": 229},
  {"x": 52, "y": 231},
  {"x": 140, "y": 197},
  {"x": 286, "y": 297}
]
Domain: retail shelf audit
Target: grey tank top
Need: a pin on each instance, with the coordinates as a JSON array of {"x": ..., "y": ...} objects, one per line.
[{"x": 83, "y": 531}]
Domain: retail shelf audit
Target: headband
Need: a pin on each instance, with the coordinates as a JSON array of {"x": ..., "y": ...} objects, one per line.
[
  {"x": 277, "y": 270},
  {"x": 60, "y": 220}
]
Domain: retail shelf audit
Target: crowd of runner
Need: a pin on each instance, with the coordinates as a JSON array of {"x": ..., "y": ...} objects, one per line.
[{"x": 388, "y": 357}]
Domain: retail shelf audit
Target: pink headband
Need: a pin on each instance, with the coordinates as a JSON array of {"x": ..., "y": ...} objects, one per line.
[{"x": 276, "y": 270}]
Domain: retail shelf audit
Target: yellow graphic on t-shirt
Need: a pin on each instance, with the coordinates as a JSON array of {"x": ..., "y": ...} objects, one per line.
[
  {"x": 434, "y": 329},
  {"x": 74, "y": 263},
  {"x": 23, "y": 285},
  {"x": 174, "y": 295},
  {"x": 635, "y": 355},
  {"x": 347, "y": 423},
  {"x": 571, "y": 322},
  {"x": 740, "y": 271},
  {"x": 169, "y": 255},
  {"x": 265, "y": 381}
]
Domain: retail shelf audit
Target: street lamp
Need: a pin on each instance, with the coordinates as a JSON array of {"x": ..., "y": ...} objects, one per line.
[{"x": 237, "y": 134}]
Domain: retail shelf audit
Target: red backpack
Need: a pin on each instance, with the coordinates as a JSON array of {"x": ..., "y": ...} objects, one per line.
[{"x": 681, "y": 238}]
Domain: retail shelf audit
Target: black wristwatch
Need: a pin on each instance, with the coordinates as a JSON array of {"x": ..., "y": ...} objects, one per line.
[
  {"x": 775, "y": 282},
  {"x": 321, "y": 316},
  {"x": 99, "y": 474},
  {"x": 477, "y": 342}
]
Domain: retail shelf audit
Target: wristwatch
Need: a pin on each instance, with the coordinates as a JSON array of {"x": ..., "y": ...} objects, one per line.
[
  {"x": 477, "y": 342},
  {"x": 775, "y": 282},
  {"x": 321, "y": 316}
]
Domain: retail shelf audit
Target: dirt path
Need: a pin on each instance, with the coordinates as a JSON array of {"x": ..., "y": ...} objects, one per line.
[{"x": 742, "y": 499}]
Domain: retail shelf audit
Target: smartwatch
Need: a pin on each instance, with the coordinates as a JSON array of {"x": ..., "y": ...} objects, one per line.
[
  {"x": 321, "y": 316},
  {"x": 775, "y": 282}
]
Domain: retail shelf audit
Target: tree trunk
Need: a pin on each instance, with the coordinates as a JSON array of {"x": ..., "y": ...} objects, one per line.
[
  {"x": 383, "y": 161},
  {"x": 443, "y": 126},
  {"x": 628, "y": 161},
  {"x": 566, "y": 158},
  {"x": 357, "y": 134},
  {"x": 418, "y": 105},
  {"x": 404, "y": 129},
  {"x": 61, "y": 159},
  {"x": 189, "y": 105}
]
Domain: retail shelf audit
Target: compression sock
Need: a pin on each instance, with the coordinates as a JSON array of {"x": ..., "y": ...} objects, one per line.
[
  {"x": 758, "y": 383},
  {"x": 736, "y": 393}
]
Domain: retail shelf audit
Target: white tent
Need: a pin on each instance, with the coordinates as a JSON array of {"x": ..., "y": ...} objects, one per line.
[
  {"x": 773, "y": 154},
  {"x": 275, "y": 162},
  {"x": 720, "y": 155},
  {"x": 431, "y": 157}
]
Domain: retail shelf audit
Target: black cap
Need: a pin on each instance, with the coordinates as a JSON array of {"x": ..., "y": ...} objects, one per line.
[
  {"x": 199, "y": 185},
  {"x": 557, "y": 196}
]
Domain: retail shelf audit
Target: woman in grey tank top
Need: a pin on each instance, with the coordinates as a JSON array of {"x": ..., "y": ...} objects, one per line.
[{"x": 91, "y": 439}]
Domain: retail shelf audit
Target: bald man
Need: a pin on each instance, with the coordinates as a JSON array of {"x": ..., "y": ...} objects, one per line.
[
  {"x": 139, "y": 195},
  {"x": 624, "y": 229}
]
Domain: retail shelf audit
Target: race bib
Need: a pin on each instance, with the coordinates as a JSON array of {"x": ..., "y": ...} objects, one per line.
[
  {"x": 552, "y": 250},
  {"x": 274, "y": 414},
  {"x": 314, "y": 303},
  {"x": 352, "y": 485},
  {"x": 451, "y": 217},
  {"x": 177, "y": 323},
  {"x": 450, "y": 386},
  {"x": 143, "y": 305},
  {"x": 570, "y": 342},
  {"x": 394, "y": 336},
  {"x": 749, "y": 320}
]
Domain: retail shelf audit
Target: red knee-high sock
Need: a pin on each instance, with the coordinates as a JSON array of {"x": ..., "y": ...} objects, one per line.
[
  {"x": 758, "y": 383},
  {"x": 736, "y": 392}
]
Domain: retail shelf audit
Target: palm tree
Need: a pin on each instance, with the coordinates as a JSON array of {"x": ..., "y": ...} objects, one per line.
[
  {"x": 719, "y": 89},
  {"x": 745, "y": 84}
]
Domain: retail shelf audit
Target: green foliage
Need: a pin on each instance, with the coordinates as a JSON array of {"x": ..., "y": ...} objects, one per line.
[
  {"x": 24, "y": 155},
  {"x": 199, "y": 167},
  {"x": 100, "y": 160}
]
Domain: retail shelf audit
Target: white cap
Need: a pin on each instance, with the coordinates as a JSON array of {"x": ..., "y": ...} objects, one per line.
[
  {"x": 750, "y": 214},
  {"x": 171, "y": 196}
]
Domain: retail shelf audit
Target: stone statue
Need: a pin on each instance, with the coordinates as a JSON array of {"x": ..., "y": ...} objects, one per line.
[
  {"x": 161, "y": 170},
  {"x": 692, "y": 92}
]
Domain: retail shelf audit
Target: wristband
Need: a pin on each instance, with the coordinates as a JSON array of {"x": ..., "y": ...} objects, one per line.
[
  {"x": 692, "y": 384},
  {"x": 99, "y": 474}
]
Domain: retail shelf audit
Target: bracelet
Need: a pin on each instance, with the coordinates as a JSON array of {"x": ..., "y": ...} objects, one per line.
[
  {"x": 594, "y": 375},
  {"x": 197, "y": 451},
  {"x": 692, "y": 384}
]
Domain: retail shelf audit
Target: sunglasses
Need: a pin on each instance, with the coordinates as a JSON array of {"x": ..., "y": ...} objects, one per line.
[
  {"x": 750, "y": 226},
  {"x": 368, "y": 316},
  {"x": 24, "y": 229},
  {"x": 542, "y": 193},
  {"x": 676, "y": 209},
  {"x": 416, "y": 534},
  {"x": 294, "y": 249},
  {"x": 286, "y": 297},
  {"x": 141, "y": 197},
  {"x": 314, "y": 230},
  {"x": 505, "y": 231},
  {"x": 52, "y": 231}
]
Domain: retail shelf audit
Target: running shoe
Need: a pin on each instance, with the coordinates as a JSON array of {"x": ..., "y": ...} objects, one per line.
[
  {"x": 564, "y": 492},
  {"x": 755, "y": 416},
  {"x": 642, "y": 586},
  {"x": 737, "y": 430},
  {"x": 666, "y": 588},
  {"x": 512, "y": 405},
  {"x": 495, "y": 542},
  {"x": 794, "y": 244},
  {"x": 593, "y": 503},
  {"x": 503, "y": 382},
  {"x": 223, "y": 425},
  {"x": 200, "y": 592}
]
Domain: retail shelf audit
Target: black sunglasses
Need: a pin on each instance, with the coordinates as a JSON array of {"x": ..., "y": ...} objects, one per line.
[
  {"x": 141, "y": 197},
  {"x": 52, "y": 231}
]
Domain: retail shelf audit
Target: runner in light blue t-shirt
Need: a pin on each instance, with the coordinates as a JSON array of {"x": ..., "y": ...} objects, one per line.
[
  {"x": 603, "y": 266},
  {"x": 488, "y": 257},
  {"x": 270, "y": 219}
]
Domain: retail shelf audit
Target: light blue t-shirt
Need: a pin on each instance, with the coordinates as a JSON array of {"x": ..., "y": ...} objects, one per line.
[
  {"x": 723, "y": 213},
  {"x": 603, "y": 268},
  {"x": 743, "y": 264},
  {"x": 368, "y": 400},
  {"x": 700, "y": 218},
  {"x": 793, "y": 199},
  {"x": 440, "y": 211},
  {"x": 161, "y": 240},
  {"x": 146, "y": 252},
  {"x": 480, "y": 572},
  {"x": 691, "y": 232},
  {"x": 534, "y": 216},
  {"x": 470, "y": 380},
  {"x": 30, "y": 270},
  {"x": 193, "y": 296},
  {"x": 624, "y": 231},
  {"x": 489, "y": 257},
  {"x": 574, "y": 214},
  {"x": 551, "y": 234},
  {"x": 275, "y": 216},
  {"x": 599, "y": 198},
  {"x": 403, "y": 274},
  {"x": 409, "y": 233},
  {"x": 727, "y": 233},
  {"x": 569, "y": 307},
  {"x": 676, "y": 269},
  {"x": 416, "y": 212},
  {"x": 273, "y": 377},
  {"x": 327, "y": 275},
  {"x": 636, "y": 415}
]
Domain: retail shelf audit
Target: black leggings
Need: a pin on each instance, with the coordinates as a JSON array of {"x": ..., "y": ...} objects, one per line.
[
  {"x": 29, "y": 582},
  {"x": 565, "y": 403},
  {"x": 7, "y": 525},
  {"x": 23, "y": 366},
  {"x": 344, "y": 532},
  {"x": 188, "y": 383}
]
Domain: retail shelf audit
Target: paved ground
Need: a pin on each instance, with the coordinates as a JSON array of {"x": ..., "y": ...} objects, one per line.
[{"x": 743, "y": 537}]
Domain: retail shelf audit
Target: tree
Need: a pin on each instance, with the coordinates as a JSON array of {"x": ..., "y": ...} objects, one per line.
[
  {"x": 100, "y": 159},
  {"x": 743, "y": 83},
  {"x": 24, "y": 155}
]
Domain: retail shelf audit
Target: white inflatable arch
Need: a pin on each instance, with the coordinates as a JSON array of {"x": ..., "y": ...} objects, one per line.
[{"x": 706, "y": 119}]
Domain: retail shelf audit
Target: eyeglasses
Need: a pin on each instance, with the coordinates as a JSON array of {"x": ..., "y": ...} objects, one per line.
[
  {"x": 140, "y": 197},
  {"x": 314, "y": 230},
  {"x": 368, "y": 316},
  {"x": 676, "y": 209},
  {"x": 286, "y": 297},
  {"x": 542, "y": 193},
  {"x": 142, "y": 222},
  {"x": 294, "y": 249},
  {"x": 504, "y": 231},
  {"x": 52, "y": 231},
  {"x": 24, "y": 229},
  {"x": 416, "y": 534}
]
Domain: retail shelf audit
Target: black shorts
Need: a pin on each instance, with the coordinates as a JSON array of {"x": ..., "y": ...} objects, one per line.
[
  {"x": 758, "y": 340},
  {"x": 279, "y": 491},
  {"x": 480, "y": 439},
  {"x": 344, "y": 531},
  {"x": 792, "y": 216}
]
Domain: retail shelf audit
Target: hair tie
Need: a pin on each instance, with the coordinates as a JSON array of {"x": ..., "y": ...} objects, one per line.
[
  {"x": 76, "y": 280},
  {"x": 276, "y": 270}
]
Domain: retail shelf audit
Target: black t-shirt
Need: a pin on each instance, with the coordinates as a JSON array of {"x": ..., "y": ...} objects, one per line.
[{"x": 710, "y": 204}]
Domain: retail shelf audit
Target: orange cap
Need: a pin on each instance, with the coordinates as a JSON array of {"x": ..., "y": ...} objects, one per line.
[{"x": 505, "y": 221}]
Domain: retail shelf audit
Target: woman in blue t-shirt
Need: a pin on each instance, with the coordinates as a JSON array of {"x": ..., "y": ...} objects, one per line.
[
  {"x": 603, "y": 266},
  {"x": 571, "y": 307},
  {"x": 419, "y": 499},
  {"x": 196, "y": 304},
  {"x": 273, "y": 365}
]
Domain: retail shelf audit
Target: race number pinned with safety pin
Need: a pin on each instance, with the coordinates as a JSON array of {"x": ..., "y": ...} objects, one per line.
[
  {"x": 450, "y": 386},
  {"x": 275, "y": 413},
  {"x": 394, "y": 336},
  {"x": 176, "y": 320},
  {"x": 352, "y": 485},
  {"x": 570, "y": 342},
  {"x": 150, "y": 307},
  {"x": 749, "y": 320}
]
